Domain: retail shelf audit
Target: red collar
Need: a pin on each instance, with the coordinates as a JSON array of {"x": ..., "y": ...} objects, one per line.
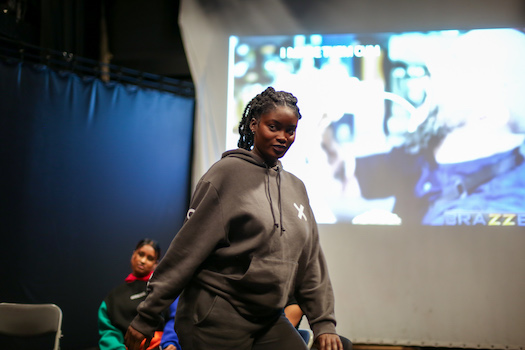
[{"x": 131, "y": 277}]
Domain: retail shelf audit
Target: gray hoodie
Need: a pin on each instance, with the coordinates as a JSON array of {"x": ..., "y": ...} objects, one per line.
[{"x": 250, "y": 237}]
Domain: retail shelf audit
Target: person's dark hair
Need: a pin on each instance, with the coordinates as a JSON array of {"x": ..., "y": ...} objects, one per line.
[
  {"x": 147, "y": 241},
  {"x": 266, "y": 101}
]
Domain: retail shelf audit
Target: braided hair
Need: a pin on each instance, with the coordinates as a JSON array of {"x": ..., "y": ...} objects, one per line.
[{"x": 266, "y": 101}]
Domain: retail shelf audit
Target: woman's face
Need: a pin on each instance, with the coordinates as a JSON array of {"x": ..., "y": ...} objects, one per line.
[
  {"x": 274, "y": 133},
  {"x": 143, "y": 261}
]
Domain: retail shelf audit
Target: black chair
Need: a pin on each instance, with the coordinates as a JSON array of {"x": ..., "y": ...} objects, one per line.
[{"x": 29, "y": 321}]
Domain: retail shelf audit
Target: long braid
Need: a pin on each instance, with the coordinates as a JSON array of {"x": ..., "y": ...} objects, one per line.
[{"x": 261, "y": 104}]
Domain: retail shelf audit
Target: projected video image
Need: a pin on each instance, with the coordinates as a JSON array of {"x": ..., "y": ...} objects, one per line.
[{"x": 416, "y": 128}]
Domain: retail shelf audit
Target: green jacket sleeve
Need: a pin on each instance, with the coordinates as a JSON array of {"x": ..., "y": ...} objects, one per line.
[{"x": 110, "y": 337}]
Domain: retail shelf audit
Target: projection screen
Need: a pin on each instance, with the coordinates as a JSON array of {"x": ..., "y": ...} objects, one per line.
[{"x": 410, "y": 111}]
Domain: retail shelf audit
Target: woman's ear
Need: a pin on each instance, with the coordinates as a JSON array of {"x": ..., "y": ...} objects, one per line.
[{"x": 253, "y": 125}]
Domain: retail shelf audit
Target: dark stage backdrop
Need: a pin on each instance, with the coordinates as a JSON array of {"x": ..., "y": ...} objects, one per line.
[{"x": 87, "y": 169}]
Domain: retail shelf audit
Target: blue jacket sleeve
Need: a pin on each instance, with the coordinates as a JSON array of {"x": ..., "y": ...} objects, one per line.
[{"x": 169, "y": 337}]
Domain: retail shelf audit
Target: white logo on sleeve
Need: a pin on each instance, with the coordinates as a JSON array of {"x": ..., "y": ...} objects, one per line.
[
  {"x": 190, "y": 213},
  {"x": 300, "y": 212}
]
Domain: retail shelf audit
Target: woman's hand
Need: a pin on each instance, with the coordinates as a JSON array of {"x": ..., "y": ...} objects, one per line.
[
  {"x": 134, "y": 338},
  {"x": 328, "y": 341}
]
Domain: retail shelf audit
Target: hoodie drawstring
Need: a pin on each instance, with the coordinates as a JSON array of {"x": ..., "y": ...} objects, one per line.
[
  {"x": 270, "y": 198},
  {"x": 280, "y": 205}
]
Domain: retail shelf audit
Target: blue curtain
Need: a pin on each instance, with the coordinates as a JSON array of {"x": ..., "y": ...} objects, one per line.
[{"x": 87, "y": 169}]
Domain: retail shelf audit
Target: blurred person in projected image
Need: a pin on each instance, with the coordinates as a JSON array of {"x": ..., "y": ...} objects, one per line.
[
  {"x": 467, "y": 155},
  {"x": 248, "y": 242}
]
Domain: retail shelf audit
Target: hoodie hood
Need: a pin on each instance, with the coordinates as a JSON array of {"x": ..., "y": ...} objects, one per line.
[{"x": 251, "y": 157}]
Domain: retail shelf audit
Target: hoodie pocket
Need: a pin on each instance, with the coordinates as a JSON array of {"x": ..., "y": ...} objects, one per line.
[
  {"x": 204, "y": 304},
  {"x": 267, "y": 282}
]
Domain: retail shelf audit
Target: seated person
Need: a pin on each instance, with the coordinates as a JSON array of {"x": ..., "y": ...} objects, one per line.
[
  {"x": 120, "y": 305},
  {"x": 294, "y": 314}
]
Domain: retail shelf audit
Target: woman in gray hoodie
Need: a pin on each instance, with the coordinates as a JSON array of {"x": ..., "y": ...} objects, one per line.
[{"x": 249, "y": 240}]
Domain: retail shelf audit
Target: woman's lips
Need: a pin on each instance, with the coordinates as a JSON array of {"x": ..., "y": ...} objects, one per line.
[{"x": 279, "y": 149}]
